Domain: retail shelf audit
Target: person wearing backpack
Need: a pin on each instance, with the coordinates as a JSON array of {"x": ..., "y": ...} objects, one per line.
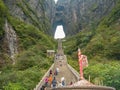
[{"x": 54, "y": 82}]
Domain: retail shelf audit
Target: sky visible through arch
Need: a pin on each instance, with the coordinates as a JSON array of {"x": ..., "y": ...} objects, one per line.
[
  {"x": 55, "y": 1},
  {"x": 59, "y": 32}
]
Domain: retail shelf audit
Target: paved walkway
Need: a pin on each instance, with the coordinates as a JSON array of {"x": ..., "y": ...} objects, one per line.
[
  {"x": 60, "y": 61},
  {"x": 65, "y": 72}
]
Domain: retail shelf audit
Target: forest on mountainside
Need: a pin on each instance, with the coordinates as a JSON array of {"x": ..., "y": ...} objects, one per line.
[
  {"x": 102, "y": 46},
  {"x": 31, "y": 62},
  {"x": 100, "y": 42}
]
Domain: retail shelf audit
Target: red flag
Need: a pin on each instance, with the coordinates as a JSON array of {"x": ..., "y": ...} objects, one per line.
[{"x": 84, "y": 61}]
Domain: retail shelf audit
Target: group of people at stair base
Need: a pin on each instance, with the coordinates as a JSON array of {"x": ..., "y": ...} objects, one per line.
[
  {"x": 56, "y": 83},
  {"x": 48, "y": 81},
  {"x": 52, "y": 82}
]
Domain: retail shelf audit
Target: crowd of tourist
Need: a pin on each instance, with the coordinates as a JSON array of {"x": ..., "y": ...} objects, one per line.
[{"x": 51, "y": 81}]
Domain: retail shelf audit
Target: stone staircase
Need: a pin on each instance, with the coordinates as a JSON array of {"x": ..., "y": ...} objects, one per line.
[
  {"x": 69, "y": 73},
  {"x": 65, "y": 70},
  {"x": 38, "y": 86}
]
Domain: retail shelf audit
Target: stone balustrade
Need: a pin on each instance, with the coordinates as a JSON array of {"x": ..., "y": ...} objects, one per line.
[
  {"x": 74, "y": 71},
  {"x": 42, "y": 80},
  {"x": 83, "y": 88}
]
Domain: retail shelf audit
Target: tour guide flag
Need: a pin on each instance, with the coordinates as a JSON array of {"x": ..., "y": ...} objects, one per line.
[{"x": 83, "y": 62}]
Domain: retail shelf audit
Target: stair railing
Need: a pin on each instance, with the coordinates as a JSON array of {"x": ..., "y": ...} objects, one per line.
[
  {"x": 74, "y": 71},
  {"x": 42, "y": 80}
]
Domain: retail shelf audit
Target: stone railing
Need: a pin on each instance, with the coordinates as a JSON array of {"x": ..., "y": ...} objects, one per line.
[
  {"x": 83, "y": 88},
  {"x": 42, "y": 80},
  {"x": 74, "y": 71}
]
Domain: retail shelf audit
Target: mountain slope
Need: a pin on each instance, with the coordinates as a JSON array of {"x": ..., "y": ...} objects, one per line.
[
  {"x": 37, "y": 12},
  {"x": 102, "y": 46},
  {"x": 30, "y": 63},
  {"x": 77, "y": 15},
  {"x": 26, "y": 29},
  {"x": 106, "y": 40}
]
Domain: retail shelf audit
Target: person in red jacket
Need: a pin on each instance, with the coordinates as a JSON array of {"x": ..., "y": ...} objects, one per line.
[{"x": 46, "y": 81}]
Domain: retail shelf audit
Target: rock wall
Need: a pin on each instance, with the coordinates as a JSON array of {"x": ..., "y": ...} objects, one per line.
[
  {"x": 74, "y": 15},
  {"x": 36, "y": 12},
  {"x": 10, "y": 41}
]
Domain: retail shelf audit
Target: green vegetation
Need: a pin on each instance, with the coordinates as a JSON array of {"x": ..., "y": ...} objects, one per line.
[
  {"x": 104, "y": 73},
  {"x": 3, "y": 13},
  {"x": 27, "y": 72},
  {"x": 39, "y": 21},
  {"x": 102, "y": 46},
  {"x": 79, "y": 40},
  {"x": 29, "y": 35},
  {"x": 31, "y": 62}
]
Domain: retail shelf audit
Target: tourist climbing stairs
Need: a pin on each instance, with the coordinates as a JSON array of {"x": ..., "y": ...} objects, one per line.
[{"x": 65, "y": 70}]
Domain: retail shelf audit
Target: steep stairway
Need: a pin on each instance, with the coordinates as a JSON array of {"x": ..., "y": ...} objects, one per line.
[
  {"x": 69, "y": 74},
  {"x": 65, "y": 72}
]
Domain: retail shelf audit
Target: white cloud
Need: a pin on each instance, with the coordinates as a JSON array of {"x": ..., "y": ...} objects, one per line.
[{"x": 59, "y": 33}]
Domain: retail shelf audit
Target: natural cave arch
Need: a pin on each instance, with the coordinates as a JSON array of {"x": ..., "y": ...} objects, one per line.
[{"x": 56, "y": 23}]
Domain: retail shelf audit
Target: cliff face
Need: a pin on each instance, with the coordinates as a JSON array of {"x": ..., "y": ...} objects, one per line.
[
  {"x": 76, "y": 15},
  {"x": 11, "y": 39},
  {"x": 23, "y": 23},
  {"x": 36, "y": 12}
]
